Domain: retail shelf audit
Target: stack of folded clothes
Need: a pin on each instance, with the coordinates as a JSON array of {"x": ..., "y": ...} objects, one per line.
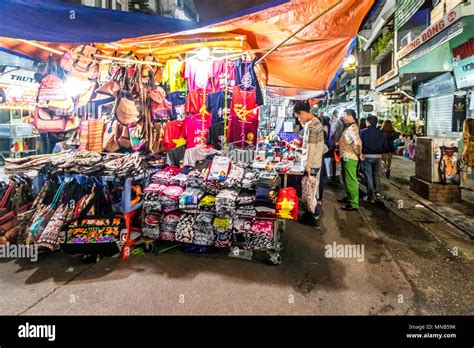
[
  {"x": 184, "y": 229},
  {"x": 213, "y": 187},
  {"x": 151, "y": 211},
  {"x": 246, "y": 204},
  {"x": 204, "y": 230},
  {"x": 243, "y": 233},
  {"x": 164, "y": 176},
  {"x": 179, "y": 180},
  {"x": 208, "y": 204},
  {"x": 265, "y": 202},
  {"x": 189, "y": 199},
  {"x": 219, "y": 168},
  {"x": 196, "y": 178},
  {"x": 223, "y": 231},
  {"x": 268, "y": 178},
  {"x": 169, "y": 198},
  {"x": 168, "y": 224},
  {"x": 262, "y": 234},
  {"x": 250, "y": 178},
  {"x": 226, "y": 202},
  {"x": 235, "y": 176}
]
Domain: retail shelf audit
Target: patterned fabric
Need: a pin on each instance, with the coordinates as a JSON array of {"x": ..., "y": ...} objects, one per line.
[
  {"x": 184, "y": 229},
  {"x": 313, "y": 144},
  {"x": 204, "y": 233},
  {"x": 310, "y": 192},
  {"x": 349, "y": 140}
]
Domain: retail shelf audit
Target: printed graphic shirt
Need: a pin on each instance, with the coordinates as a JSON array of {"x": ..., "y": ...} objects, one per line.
[
  {"x": 196, "y": 101},
  {"x": 349, "y": 140},
  {"x": 173, "y": 135},
  {"x": 246, "y": 78},
  {"x": 222, "y": 74},
  {"x": 243, "y": 132},
  {"x": 178, "y": 102},
  {"x": 173, "y": 74},
  {"x": 196, "y": 129},
  {"x": 215, "y": 105}
]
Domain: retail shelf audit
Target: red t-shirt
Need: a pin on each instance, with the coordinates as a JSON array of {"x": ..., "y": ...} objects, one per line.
[
  {"x": 172, "y": 135},
  {"x": 196, "y": 100},
  {"x": 249, "y": 128},
  {"x": 243, "y": 102},
  {"x": 196, "y": 129}
]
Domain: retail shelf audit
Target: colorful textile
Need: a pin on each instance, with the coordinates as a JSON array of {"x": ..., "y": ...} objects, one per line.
[
  {"x": 219, "y": 168},
  {"x": 351, "y": 182},
  {"x": 173, "y": 135},
  {"x": 184, "y": 229},
  {"x": 196, "y": 102},
  {"x": 215, "y": 104},
  {"x": 223, "y": 75},
  {"x": 195, "y": 130},
  {"x": 173, "y": 74},
  {"x": 349, "y": 140},
  {"x": 198, "y": 73},
  {"x": 178, "y": 102}
]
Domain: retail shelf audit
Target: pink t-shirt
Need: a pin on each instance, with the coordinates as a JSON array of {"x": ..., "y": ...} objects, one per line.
[
  {"x": 198, "y": 74},
  {"x": 220, "y": 77},
  {"x": 193, "y": 129}
]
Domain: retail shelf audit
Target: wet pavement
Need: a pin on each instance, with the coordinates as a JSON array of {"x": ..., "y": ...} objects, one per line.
[{"x": 407, "y": 269}]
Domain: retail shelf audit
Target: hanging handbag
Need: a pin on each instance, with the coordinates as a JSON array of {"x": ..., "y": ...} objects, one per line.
[
  {"x": 109, "y": 140},
  {"x": 51, "y": 86},
  {"x": 123, "y": 137},
  {"x": 126, "y": 110},
  {"x": 136, "y": 140},
  {"x": 83, "y": 135},
  {"x": 160, "y": 107},
  {"x": 86, "y": 96},
  {"x": 113, "y": 86},
  {"x": 48, "y": 121},
  {"x": 100, "y": 233},
  {"x": 80, "y": 62}
]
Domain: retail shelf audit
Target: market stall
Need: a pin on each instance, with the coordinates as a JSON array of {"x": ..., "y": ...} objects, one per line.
[{"x": 175, "y": 138}]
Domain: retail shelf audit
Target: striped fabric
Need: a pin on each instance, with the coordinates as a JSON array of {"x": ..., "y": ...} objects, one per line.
[{"x": 404, "y": 10}]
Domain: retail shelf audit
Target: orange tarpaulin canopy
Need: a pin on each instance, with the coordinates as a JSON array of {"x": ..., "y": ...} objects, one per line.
[{"x": 309, "y": 61}]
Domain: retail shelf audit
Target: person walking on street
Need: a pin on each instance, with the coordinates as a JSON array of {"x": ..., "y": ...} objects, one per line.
[
  {"x": 313, "y": 146},
  {"x": 373, "y": 146},
  {"x": 391, "y": 135},
  {"x": 350, "y": 148},
  {"x": 337, "y": 127}
]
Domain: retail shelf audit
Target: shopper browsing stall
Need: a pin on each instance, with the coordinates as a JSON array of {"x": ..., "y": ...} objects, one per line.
[
  {"x": 350, "y": 147},
  {"x": 313, "y": 145}
]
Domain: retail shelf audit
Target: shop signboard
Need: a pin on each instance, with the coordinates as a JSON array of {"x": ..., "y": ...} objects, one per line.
[
  {"x": 391, "y": 74},
  {"x": 431, "y": 31},
  {"x": 13, "y": 76},
  {"x": 442, "y": 84},
  {"x": 368, "y": 108},
  {"x": 463, "y": 64}
]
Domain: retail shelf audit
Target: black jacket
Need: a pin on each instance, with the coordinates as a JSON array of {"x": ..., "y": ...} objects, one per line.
[{"x": 373, "y": 141}]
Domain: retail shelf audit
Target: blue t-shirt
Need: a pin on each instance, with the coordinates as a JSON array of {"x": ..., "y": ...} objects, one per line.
[
  {"x": 215, "y": 105},
  {"x": 178, "y": 100}
]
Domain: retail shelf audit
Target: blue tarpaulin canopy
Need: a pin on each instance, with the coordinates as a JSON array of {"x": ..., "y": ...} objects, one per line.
[{"x": 55, "y": 21}]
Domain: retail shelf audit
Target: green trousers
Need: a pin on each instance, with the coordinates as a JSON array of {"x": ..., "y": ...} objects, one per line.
[{"x": 351, "y": 182}]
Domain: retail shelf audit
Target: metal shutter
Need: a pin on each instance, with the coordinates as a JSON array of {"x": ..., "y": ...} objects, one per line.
[{"x": 440, "y": 115}]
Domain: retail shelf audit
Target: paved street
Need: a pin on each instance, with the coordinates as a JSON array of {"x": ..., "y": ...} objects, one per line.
[{"x": 407, "y": 269}]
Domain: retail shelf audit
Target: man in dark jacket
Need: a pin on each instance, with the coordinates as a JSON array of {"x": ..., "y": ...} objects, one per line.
[{"x": 374, "y": 145}]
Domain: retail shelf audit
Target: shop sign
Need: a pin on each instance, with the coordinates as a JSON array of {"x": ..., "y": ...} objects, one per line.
[
  {"x": 431, "y": 31},
  {"x": 390, "y": 75},
  {"x": 442, "y": 84},
  {"x": 19, "y": 77},
  {"x": 18, "y": 95},
  {"x": 368, "y": 108},
  {"x": 463, "y": 64}
]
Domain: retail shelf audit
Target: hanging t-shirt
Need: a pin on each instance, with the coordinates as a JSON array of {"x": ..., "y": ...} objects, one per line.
[
  {"x": 198, "y": 74},
  {"x": 173, "y": 74},
  {"x": 196, "y": 101},
  {"x": 215, "y": 105},
  {"x": 172, "y": 137},
  {"x": 246, "y": 78},
  {"x": 243, "y": 132},
  {"x": 196, "y": 129},
  {"x": 243, "y": 102},
  {"x": 221, "y": 76},
  {"x": 178, "y": 101}
]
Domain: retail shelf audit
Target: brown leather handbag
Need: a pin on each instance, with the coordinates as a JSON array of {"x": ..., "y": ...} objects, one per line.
[{"x": 127, "y": 111}]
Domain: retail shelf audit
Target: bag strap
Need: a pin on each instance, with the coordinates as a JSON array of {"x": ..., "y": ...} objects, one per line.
[{"x": 100, "y": 202}]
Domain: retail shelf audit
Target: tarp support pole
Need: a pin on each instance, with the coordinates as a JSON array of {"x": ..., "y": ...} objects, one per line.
[{"x": 299, "y": 30}]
